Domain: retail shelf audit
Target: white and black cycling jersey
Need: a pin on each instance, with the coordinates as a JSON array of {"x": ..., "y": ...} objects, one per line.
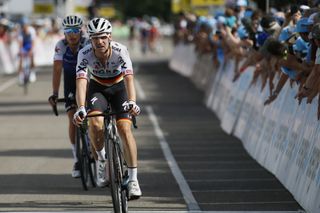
[{"x": 112, "y": 71}]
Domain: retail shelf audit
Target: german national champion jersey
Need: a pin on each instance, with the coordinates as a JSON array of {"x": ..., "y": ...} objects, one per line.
[{"x": 112, "y": 71}]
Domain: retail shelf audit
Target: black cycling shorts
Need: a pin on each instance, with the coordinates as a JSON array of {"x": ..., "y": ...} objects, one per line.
[{"x": 99, "y": 96}]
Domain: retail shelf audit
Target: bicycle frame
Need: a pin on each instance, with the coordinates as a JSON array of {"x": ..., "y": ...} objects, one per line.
[{"x": 117, "y": 165}]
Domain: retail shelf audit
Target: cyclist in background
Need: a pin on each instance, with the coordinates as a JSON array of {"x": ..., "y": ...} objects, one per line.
[
  {"x": 26, "y": 45},
  {"x": 111, "y": 81},
  {"x": 65, "y": 58}
]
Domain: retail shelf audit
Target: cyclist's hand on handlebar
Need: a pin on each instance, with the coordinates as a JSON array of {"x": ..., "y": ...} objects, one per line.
[
  {"x": 132, "y": 107},
  {"x": 53, "y": 99},
  {"x": 79, "y": 116}
]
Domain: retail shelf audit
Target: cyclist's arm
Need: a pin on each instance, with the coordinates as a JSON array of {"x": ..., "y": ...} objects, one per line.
[
  {"x": 81, "y": 79},
  {"x": 131, "y": 91},
  {"x": 81, "y": 91},
  {"x": 128, "y": 75},
  {"x": 56, "y": 76}
]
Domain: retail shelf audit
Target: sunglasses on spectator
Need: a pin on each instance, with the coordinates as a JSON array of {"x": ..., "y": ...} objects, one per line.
[{"x": 72, "y": 30}]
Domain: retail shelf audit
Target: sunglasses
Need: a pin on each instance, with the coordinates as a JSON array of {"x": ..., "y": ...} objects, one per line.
[{"x": 72, "y": 30}]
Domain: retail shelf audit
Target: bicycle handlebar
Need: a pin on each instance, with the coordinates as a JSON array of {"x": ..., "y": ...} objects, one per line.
[
  {"x": 53, "y": 104},
  {"x": 107, "y": 114}
]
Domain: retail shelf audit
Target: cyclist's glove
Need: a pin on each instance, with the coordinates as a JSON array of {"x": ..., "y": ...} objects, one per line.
[
  {"x": 53, "y": 102},
  {"x": 79, "y": 115},
  {"x": 53, "y": 99},
  {"x": 132, "y": 107}
]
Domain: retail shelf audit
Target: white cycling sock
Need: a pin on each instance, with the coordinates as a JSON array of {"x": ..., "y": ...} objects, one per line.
[
  {"x": 101, "y": 154},
  {"x": 74, "y": 153},
  {"x": 133, "y": 171}
]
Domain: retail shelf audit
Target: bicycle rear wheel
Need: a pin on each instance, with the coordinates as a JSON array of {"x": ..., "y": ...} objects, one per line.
[{"x": 118, "y": 191}]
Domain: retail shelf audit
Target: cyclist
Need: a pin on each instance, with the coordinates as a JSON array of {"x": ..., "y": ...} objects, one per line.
[
  {"x": 65, "y": 58},
  {"x": 26, "y": 45},
  {"x": 111, "y": 81}
]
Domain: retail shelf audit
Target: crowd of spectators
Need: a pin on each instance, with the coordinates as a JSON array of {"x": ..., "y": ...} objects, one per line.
[{"x": 282, "y": 46}]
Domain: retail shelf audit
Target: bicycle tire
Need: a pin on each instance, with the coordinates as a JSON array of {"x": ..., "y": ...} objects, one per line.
[
  {"x": 114, "y": 181},
  {"x": 123, "y": 174},
  {"x": 81, "y": 159},
  {"x": 91, "y": 163}
]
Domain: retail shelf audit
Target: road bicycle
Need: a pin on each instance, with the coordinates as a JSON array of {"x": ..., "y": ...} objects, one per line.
[
  {"x": 118, "y": 172},
  {"x": 83, "y": 150}
]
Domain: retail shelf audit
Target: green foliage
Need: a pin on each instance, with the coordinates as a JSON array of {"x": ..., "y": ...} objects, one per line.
[{"x": 139, "y": 8}]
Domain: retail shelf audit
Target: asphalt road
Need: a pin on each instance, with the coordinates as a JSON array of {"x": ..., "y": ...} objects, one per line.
[{"x": 186, "y": 162}]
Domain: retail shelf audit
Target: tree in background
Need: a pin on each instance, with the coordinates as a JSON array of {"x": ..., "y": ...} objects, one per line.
[{"x": 140, "y": 8}]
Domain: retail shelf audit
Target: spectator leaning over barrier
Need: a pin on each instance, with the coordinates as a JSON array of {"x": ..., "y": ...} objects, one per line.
[
  {"x": 26, "y": 45},
  {"x": 65, "y": 60},
  {"x": 271, "y": 28},
  {"x": 311, "y": 87}
]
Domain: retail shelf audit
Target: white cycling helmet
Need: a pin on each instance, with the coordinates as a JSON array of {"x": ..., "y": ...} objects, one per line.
[
  {"x": 72, "y": 21},
  {"x": 98, "y": 26}
]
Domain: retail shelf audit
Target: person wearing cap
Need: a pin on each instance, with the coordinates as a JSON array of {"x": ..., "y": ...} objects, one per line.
[{"x": 65, "y": 61}]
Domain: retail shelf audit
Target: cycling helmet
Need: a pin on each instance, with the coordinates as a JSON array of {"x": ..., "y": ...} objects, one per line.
[
  {"x": 72, "y": 21},
  {"x": 99, "y": 25}
]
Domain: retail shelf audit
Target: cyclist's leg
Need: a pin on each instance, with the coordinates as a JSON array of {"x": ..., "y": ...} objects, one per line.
[
  {"x": 124, "y": 123},
  {"x": 129, "y": 144},
  {"x": 70, "y": 107},
  {"x": 97, "y": 103}
]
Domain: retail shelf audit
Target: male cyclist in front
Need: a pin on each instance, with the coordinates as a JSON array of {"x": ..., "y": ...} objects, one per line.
[
  {"x": 65, "y": 58},
  {"x": 109, "y": 67}
]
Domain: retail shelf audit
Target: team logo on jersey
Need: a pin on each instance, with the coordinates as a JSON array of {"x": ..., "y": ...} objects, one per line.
[
  {"x": 86, "y": 51},
  {"x": 128, "y": 72},
  {"x": 116, "y": 48},
  {"x": 97, "y": 65},
  {"x": 57, "y": 49},
  {"x": 94, "y": 99}
]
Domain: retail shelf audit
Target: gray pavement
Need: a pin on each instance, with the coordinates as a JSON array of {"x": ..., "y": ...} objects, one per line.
[{"x": 185, "y": 160}]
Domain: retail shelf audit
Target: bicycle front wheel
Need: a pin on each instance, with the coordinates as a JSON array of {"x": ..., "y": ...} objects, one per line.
[
  {"x": 82, "y": 159},
  {"x": 118, "y": 193}
]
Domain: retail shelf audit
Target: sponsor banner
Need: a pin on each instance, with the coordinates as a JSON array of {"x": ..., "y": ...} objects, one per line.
[
  {"x": 207, "y": 2},
  {"x": 43, "y": 6}
]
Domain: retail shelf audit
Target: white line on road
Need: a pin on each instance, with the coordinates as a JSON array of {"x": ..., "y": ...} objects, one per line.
[
  {"x": 8, "y": 84},
  {"x": 184, "y": 187}
]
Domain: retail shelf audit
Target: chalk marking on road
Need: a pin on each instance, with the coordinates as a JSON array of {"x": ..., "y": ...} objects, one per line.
[
  {"x": 184, "y": 187},
  {"x": 8, "y": 84}
]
